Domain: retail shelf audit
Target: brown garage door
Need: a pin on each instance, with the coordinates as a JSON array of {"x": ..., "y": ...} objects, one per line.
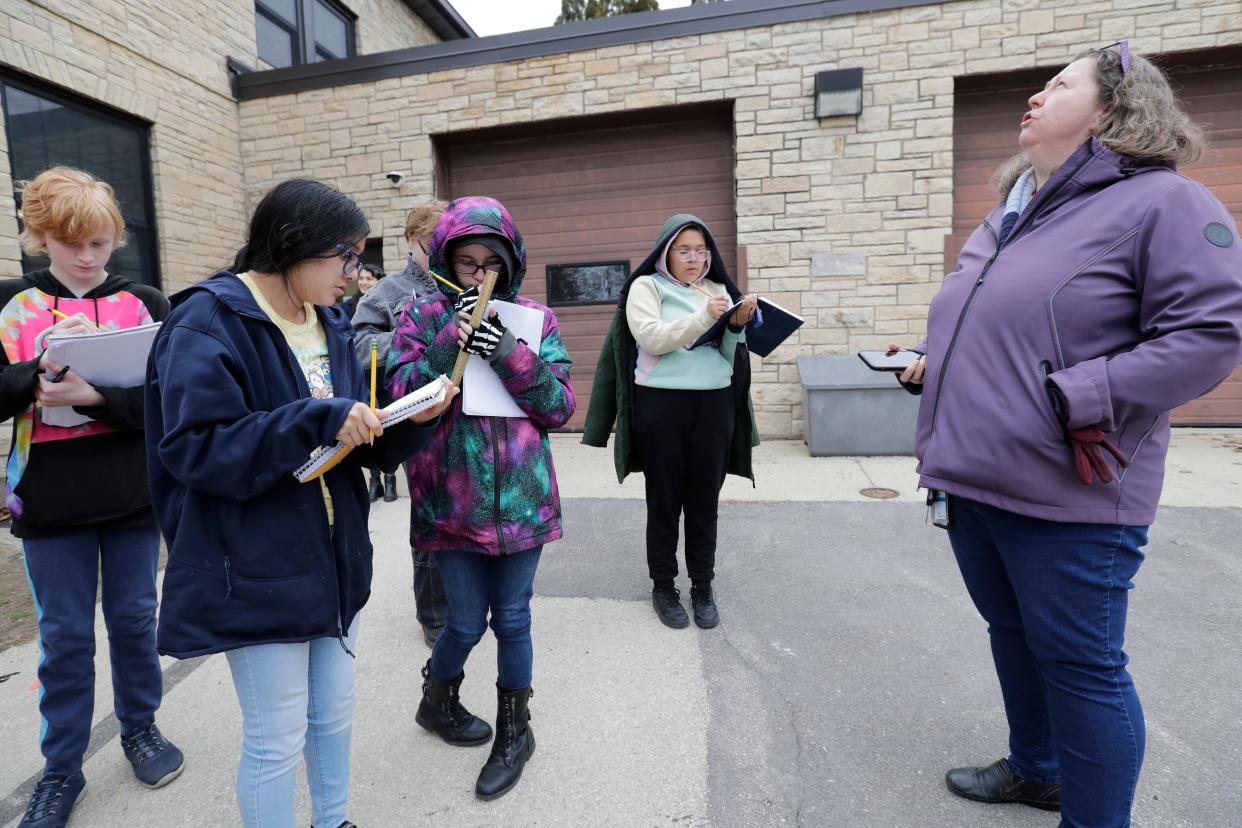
[
  {"x": 595, "y": 190},
  {"x": 987, "y": 112}
]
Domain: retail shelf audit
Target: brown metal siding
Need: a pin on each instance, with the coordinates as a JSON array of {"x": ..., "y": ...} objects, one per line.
[
  {"x": 986, "y": 119},
  {"x": 589, "y": 191}
]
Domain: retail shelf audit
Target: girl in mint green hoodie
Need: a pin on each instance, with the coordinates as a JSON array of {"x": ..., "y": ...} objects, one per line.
[{"x": 684, "y": 405}]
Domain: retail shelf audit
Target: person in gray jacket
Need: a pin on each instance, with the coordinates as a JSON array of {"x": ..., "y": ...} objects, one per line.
[
  {"x": 374, "y": 321},
  {"x": 1103, "y": 291}
]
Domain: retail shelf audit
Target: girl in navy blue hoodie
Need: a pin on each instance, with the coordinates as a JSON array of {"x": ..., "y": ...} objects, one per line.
[{"x": 253, "y": 371}]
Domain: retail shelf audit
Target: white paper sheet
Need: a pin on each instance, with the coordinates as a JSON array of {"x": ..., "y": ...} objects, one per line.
[{"x": 483, "y": 394}]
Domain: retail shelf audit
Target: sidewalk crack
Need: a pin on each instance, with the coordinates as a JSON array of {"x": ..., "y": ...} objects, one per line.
[{"x": 792, "y": 710}]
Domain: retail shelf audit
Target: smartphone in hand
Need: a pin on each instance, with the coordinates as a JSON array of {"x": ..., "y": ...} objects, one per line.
[{"x": 895, "y": 362}]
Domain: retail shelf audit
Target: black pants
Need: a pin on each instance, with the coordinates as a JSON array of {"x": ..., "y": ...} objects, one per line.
[
  {"x": 430, "y": 603},
  {"x": 683, "y": 440}
]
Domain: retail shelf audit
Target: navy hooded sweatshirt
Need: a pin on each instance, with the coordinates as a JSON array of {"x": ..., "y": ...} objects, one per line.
[{"x": 229, "y": 417}]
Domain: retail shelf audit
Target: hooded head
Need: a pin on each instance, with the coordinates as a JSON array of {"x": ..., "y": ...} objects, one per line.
[
  {"x": 658, "y": 260},
  {"x": 484, "y": 221}
]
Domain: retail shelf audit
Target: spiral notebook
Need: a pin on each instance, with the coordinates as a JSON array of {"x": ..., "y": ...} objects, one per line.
[
  {"x": 115, "y": 359},
  {"x": 400, "y": 410}
]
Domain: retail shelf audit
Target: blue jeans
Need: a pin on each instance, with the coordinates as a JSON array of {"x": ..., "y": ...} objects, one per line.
[
  {"x": 63, "y": 572},
  {"x": 474, "y": 584},
  {"x": 1054, "y": 596},
  {"x": 296, "y": 699}
]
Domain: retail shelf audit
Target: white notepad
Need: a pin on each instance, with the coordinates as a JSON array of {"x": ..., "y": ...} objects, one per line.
[
  {"x": 428, "y": 396},
  {"x": 111, "y": 359},
  {"x": 483, "y": 393}
]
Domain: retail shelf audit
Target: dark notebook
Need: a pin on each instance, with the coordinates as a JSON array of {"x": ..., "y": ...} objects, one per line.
[{"x": 770, "y": 326}]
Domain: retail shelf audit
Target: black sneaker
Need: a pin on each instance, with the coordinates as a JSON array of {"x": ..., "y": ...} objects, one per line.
[
  {"x": 704, "y": 603},
  {"x": 156, "y": 760},
  {"x": 53, "y": 800},
  {"x": 345, "y": 824},
  {"x": 667, "y": 603}
]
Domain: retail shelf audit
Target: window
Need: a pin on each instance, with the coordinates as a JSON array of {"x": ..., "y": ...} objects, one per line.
[
  {"x": 46, "y": 128},
  {"x": 597, "y": 283},
  {"x": 293, "y": 32}
]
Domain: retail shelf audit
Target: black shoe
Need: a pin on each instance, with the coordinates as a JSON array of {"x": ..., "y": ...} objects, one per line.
[
  {"x": 442, "y": 713},
  {"x": 53, "y": 800},
  {"x": 667, "y": 603},
  {"x": 431, "y": 635},
  {"x": 515, "y": 742},
  {"x": 345, "y": 824},
  {"x": 390, "y": 488},
  {"x": 156, "y": 760},
  {"x": 374, "y": 491},
  {"x": 996, "y": 783},
  {"x": 704, "y": 604}
]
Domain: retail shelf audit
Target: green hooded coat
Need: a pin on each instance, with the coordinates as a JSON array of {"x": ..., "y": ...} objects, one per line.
[{"x": 612, "y": 394}]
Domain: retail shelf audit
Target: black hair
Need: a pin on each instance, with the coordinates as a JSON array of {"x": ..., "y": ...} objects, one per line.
[
  {"x": 297, "y": 220},
  {"x": 374, "y": 270}
]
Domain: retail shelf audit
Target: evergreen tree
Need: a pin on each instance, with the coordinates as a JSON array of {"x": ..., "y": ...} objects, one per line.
[{"x": 572, "y": 10}]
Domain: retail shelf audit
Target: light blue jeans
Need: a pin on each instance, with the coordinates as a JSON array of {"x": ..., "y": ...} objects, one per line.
[{"x": 296, "y": 699}]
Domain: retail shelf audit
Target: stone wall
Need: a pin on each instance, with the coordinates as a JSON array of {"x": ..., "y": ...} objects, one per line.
[{"x": 165, "y": 63}]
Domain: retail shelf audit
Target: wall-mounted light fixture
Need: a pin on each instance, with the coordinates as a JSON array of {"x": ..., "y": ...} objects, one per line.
[{"x": 838, "y": 92}]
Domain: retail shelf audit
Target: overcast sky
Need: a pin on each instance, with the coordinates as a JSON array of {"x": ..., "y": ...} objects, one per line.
[{"x": 489, "y": 17}]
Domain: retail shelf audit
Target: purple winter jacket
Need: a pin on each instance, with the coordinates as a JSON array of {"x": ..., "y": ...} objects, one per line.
[{"x": 1123, "y": 283}]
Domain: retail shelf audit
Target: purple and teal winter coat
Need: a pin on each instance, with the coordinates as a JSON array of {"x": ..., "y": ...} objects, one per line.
[
  {"x": 1121, "y": 283},
  {"x": 483, "y": 484}
]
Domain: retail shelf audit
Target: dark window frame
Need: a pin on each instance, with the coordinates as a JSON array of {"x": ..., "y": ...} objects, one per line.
[
  {"x": 549, "y": 272},
  {"x": 63, "y": 97},
  {"x": 305, "y": 48}
]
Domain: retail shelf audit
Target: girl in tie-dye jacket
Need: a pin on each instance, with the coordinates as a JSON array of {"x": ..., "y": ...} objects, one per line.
[{"x": 483, "y": 491}]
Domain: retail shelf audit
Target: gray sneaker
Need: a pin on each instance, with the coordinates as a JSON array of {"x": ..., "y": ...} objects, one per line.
[{"x": 156, "y": 761}]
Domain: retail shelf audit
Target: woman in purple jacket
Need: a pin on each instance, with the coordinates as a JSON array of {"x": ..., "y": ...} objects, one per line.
[{"x": 1103, "y": 291}]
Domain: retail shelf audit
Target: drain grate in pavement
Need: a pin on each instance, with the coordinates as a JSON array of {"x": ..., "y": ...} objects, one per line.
[{"x": 880, "y": 493}]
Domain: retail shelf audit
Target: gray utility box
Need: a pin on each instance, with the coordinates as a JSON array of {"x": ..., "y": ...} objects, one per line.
[{"x": 851, "y": 410}]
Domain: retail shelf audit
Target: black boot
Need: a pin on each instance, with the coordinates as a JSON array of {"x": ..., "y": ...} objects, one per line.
[
  {"x": 997, "y": 783},
  {"x": 704, "y": 604},
  {"x": 514, "y": 744},
  {"x": 375, "y": 485},
  {"x": 442, "y": 713},
  {"x": 667, "y": 603},
  {"x": 390, "y": 488}
]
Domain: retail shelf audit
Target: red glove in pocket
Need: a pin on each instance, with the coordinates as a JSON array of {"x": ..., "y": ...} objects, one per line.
[{"x": 1088, "y": 459}]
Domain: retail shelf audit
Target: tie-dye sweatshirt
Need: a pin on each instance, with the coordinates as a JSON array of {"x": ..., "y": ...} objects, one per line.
[
  {"x": 483, "y": 484},
  {"x": 92, "y": 475}
]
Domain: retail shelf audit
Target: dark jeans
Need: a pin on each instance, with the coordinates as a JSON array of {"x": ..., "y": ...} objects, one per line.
[
  {"x": 63, "y": 572},
  {"x": 430, "y": 605},
  {"x": 476, "y": 584},
  {"x": 1054, "y": 596},
  {"x": 683, "y": 440}
]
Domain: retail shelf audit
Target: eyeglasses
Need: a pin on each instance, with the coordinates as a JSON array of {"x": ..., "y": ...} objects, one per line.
[
  {"x": 1124, "y": 48},
  {"x": 690, "y": 255},
  {"x": 352, "y": 261},
  {"x": 467, "y": 269}
]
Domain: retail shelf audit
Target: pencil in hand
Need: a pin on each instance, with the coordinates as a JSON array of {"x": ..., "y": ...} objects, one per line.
[{"x": 374, "y": 357}]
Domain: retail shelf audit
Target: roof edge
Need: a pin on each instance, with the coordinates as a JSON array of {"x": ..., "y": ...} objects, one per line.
[
  {"x": 444, "y": 20},
  {"x": 624, "y": 29}
]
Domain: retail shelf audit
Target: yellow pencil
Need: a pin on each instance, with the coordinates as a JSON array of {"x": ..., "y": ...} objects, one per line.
[
  {"x": 64, "y": 315},
  {"x": 700, "y": 289},
  {"x": 445, "y": 282},
  {"x": 374, "y": 356}
]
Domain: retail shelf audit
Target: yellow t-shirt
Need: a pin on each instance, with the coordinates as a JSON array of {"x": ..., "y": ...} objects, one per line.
[{"x": 309, "y": 345}]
